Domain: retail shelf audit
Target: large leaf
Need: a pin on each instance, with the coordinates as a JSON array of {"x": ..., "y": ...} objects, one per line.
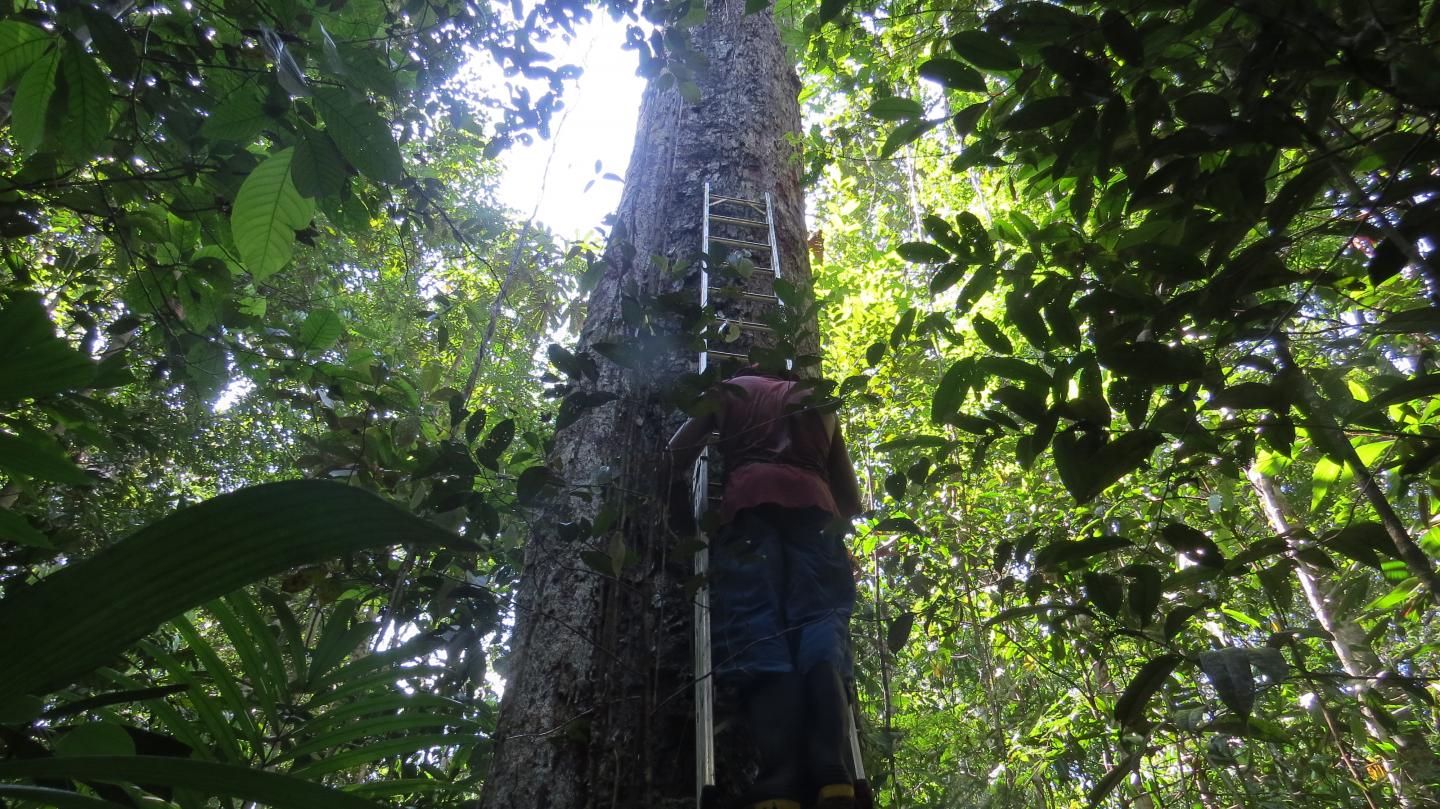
[
  {"x": 30, "y": 110},
  {"x": 1086, "y": 473},
  {"x": 1130, "y": 708},
  {"x": 206, "y": 777},
  {"x": 318, "y": 169},
  {"x": 1065, "y": 552},
  {"x": 40, "y": 457},
  {"x": 953, "y": 74},
  {"x": 86, "y": 119},
  {"x": 33, "y": 361},
  {"x": 1229, "y": 671},
  {"x": 59, "y": 798},
  {"x": 320, "y": 330},
  {"x": 88, "y": 612},
  {"x": 268, "y": 210},
  {"x": 20, "y": 45},
  {"x": 362, "y": 135},
  {"x": 984, "y": 50}
]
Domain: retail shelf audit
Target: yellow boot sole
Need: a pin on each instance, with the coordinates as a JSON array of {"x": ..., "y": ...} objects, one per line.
[
  {"x": 836, "y": 796},
  {"x": 778, "y": 803}
]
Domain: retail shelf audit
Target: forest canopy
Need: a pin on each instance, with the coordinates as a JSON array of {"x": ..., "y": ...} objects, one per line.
[{"x": 1128, "y": 309}]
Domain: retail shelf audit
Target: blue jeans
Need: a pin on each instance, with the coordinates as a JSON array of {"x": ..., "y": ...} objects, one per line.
[{"x": 781, "y": 593}]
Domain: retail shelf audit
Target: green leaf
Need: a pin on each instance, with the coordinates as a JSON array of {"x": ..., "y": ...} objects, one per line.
[
  {"x": 30, "y": 111},
  {"x": 1039, "y": 113},
  {"x": 1175, "y": 620},
  {"x": 320, "y": 330},
  {"x": 985, "y": 50},
  {"x": 905, "y": 134},
  {"x": 1421, "y": 320},
  {"x": 20, "y": 45},
  {"x": 1145, "y": 592},
  {"x": 1105, "y": 591},
  {"x": 110, "y": 39},
  {"x": 237, "y": 120},
  {"x": 1122, "y": 37},
  {"x": 1229, "y": 672},
  {"x": 895, "y": 484},
  {"x": 162, "y": 570},
  {"x": 1130, "y": 708},
  {"x": 912, "y": 442},
  {"x": 899, "y": 631},
  {"x": 895, "y": 108},
  {"x": 898, "y": 525},
  {"x": 95, "y": 739},
  {"x": 39, "y": 457},
  {"x": 85, "y": 123},
  {"x": 1112, "y": 779},
  {"x": 15, "y": 528},
  {"x": 922, "y": 252},
  {"x": 268, "y": 210},
  {"x": 1061, "y": 553},
  {"x": 1324, "y": 477},
  {"x": 205, "y": 777},
  {"x": 953, "y": 74},
  {"x": 362, "y": 135},
  {"x": 1193, "y": 543},
  {"x": 33, "y": 361},
  {"x": 951, "y": 391},
  {"x": 1419, "y": 387},
  {"x": 990, "y": 335},
  {"x": 318, "y": 170},
  {"x": 496, "y": 442},
  {"x": 1085, "y": 472},
  {"x": 531, "y": 482},
  {"x": 59, "y": 798}
]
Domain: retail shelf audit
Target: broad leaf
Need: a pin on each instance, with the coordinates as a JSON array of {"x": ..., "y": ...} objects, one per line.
[
  {"x": 205, "y": 777},
  {"x": 33, "y": 361},
  {"x": 1229, "y": 671},
  {"x": 162, "y": 570},
  {"x": 20, "y": 45},
  {"x": 1130, "y": 708},
  {"x": 31, "y": 108},
  {"x": 320, "y": 330},
  {"x": 984, "y": 50},
  {"x": 85, "y": 123},
  {"x": 953, "y": 74},
  {"x": 268, "y": 210},
  {"x": 362, "y": 135}
]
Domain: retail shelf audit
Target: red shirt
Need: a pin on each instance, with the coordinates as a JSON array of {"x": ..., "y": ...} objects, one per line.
[{"x": 774, "y": 450}]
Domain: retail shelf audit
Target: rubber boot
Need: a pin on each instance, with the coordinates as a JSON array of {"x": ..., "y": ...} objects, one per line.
[
  {"x": 826, "y": 707},
  {"x": 775, "y": 711}
]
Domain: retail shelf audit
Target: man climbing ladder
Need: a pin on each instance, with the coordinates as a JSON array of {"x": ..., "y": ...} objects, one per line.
[{"x": 781, "y": 587}]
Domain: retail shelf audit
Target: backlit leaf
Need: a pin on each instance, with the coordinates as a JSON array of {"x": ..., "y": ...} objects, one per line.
[{"x": 268, "y": 210}]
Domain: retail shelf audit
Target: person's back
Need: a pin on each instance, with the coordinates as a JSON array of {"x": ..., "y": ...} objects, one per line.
[
  {"x": 781, "y": 585},
  {"x": 775, "y": 448}
]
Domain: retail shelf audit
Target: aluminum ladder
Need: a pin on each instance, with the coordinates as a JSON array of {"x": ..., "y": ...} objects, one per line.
[{"x": 739, "y": 216}]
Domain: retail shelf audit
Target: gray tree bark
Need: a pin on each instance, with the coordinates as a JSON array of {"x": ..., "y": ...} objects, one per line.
[
  {"x": 598, "y": 708},
  {"x": 1413, "y": 770}
]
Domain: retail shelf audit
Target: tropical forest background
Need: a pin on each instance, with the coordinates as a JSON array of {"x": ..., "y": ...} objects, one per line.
[{"x": 1131, "y": 308}]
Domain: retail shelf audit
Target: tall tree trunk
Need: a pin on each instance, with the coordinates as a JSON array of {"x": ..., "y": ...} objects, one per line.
[
  {"x": 1413, "y": 770},
  {"x": 597, "y": 707}
]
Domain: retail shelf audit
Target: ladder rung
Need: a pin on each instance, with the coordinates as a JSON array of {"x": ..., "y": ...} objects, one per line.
[
  {"x": 756, "y": 204},
  {"x": 730, "y": 354},
  {"x": 752, "y": 296},
  {"x": 741, "y": 243},
  {"x": 737, "y": 220},
  {"x": 746, "y": 324}
]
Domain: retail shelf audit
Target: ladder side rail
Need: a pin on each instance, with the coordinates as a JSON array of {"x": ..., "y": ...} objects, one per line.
[{"x": 704, "y": 664}]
